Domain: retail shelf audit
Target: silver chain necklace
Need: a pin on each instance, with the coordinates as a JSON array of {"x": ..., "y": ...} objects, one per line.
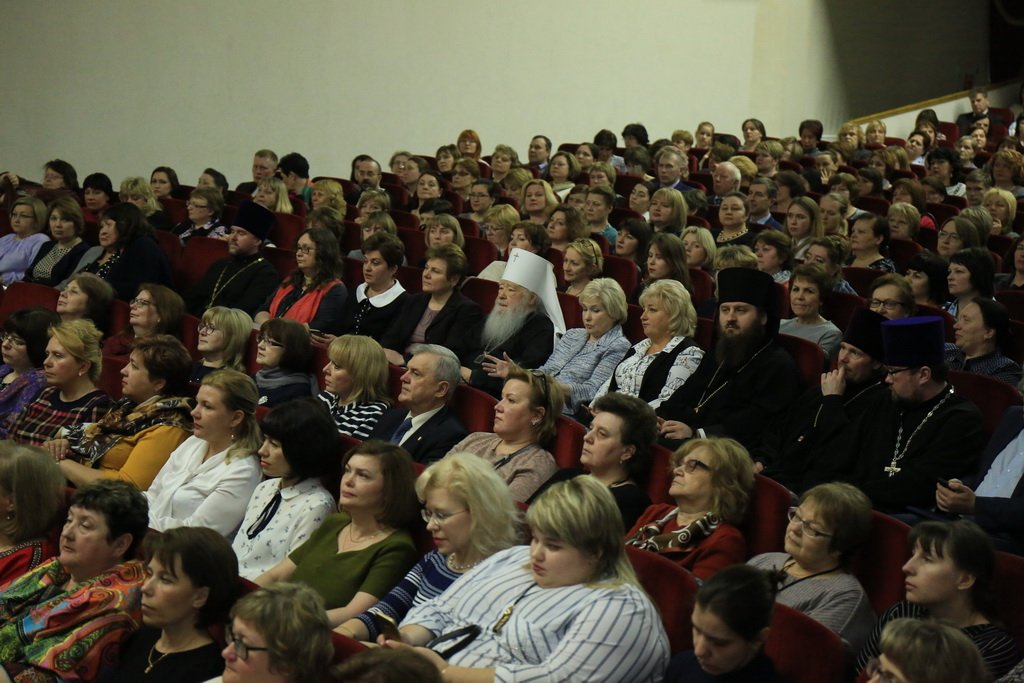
[{"x": 892, "y": 470}]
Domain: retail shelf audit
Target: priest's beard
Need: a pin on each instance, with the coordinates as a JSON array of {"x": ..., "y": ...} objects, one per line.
[
  {"x": 736, "y": 348},
  {"x": 501, "y": 324}
]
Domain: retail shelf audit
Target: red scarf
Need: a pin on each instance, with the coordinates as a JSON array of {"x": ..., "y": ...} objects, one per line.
[{"x": 303, "y": 310}]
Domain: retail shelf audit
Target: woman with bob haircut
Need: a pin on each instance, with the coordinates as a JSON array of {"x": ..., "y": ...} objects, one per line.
[
  {"x": 443, "y": 229},
  {"x": 356, "y": 384},
  {"x": 711, "y": 484},
  {"x": 525, "y": 420},
  {"x": 299, "y": 445},
  {"x": 272, "y": 193},
  {"x": 808, "y": 286},
  {"x": 279, "y": 633},
  {"x": 445, "y": 157},
  {"x": 283, "y": 352},
  {"x": 700, "y": 248},
  {"x": 661, "y": 362},
  {"x": 774, "y": 250},
  {"x": 563, "y": 169},
  {"x": 98, "y": 193},
  {"x": 971, "y": 275},
  {"x": 205, "y": 205},
  {"x": 904, "y": 221},
  {"x": 915, "y": 651},
  {"x": 537, "y": 201},
  {"x": 66, "y": 619},
  {"x": 208, "y": 479},
  {"x": 127, "y": 254},
  {"x": 56, "y": 258},
  {"x": 999, "y": 203},
  {"x": 469, "y": 145},
  {"x": 482, "y": 196},
  {"x": 927, "y": 275},
  {"x": 503, "y": 160},
  {"x": 957, "y": 233},
  {"x": 191, "y": 583},
  {"x": 949, "y": 578},
  {"x": 732, "y": 617},
  {"x": 154, "y": 310},
  {"x": 134, "y": 439},
  {"x": 370, "y": 202},
  {"x": 32, "y": 491},
  {"x": 86, "y": 296},
  {"x": 566, "y": 224},
  {"x": 982, "y": 329},
  {"x": 327, "y": 192},
  {"x": 136, "y": 190},
  {"x": 373, "y": 304},
  {"x": 460, "y": 483},
  {"x": 869, "y": 243},
  {"x": 25, "y": 334},
  {"x": 668, "y": 211},
  {"x": 582, "y": 263},
  {"x": 73, "y": 364},
  {"x": 223, "y": 341},
  {"x": 19, "y": 248},
  {"x": 569, "y": 606},
  {"x": 585, "y": 357},
  {"x": 825, "y": 531},
  {"x": 359, "y": 553}
]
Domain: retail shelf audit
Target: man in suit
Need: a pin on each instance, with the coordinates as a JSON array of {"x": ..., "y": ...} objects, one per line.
[
  {"x": 979, "y": 110},
  {"x": 671, "y": 167},
  {"x": 264, "y": 165},
  {"x": 423, "y": 425}
]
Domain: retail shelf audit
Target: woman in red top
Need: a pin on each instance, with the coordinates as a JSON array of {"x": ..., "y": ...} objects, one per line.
[
  {"x": 313, "y": 294},
  {"x": 711, "y": 484},
  {"x": 31, "y": 497}
]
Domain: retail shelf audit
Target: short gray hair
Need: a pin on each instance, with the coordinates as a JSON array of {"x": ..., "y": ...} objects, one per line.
[
  {"x": 732, "y": 169},
  {"x": 447, "y": 368}
]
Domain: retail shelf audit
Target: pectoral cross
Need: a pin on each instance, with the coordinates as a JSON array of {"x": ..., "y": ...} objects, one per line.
[{"x": 891, "y": 470}]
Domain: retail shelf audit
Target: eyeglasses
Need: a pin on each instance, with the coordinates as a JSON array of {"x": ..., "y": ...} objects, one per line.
[
  {"x": 895, "y": 371},
  {"x": 195, "y": 205},
  {"x": 439, "y": 517},
  {"x": 874, "y": 668},
  {"x": 206, "y": 328},
  {"x": 945, "y": 235},
  {"x": 22, "y": 216},
  {"x": 140, "y": 302},
  {"x": 692, "y": 465},
  {"x": 241, "y": 649},
  {"x": 808, "y": 527},
  {"x": 14, "y": 339},
  {"x": 303, "y": 249},
  {"x": 264, "y": 339},
  {"x": 544, "y": 382},
  {"x": 478, "y": 195},
  {"x": 887, "y": 304}
]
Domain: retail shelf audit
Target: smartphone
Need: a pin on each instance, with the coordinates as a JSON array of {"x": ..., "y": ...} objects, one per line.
[
  {"x": 944, "y": 483},
  {"x": 386, "y": 627}
]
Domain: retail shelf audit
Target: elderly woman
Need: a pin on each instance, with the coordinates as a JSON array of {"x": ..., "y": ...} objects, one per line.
[
  {"x": 774, "y": 254},
  {"x": 970, "y": 276},
  {"x": 661, "y": 362},
  {"x": 272, "y": 193},
  {"x": 223, "y": 341},
  {"x": 57, "y": 257},
  {"x": 208, "y": 479},
  {"x": 135, "y": 190},
  {"x": 869, "y": 244},
  {"x": 439, "y": 314},
  {"x": 66, "y": 619},
  {"x": 915, "y": 651},
  {"x": 825, "y": 531},
  {"x": 299, "y": 446},
  {"x": 525, "y": 420},
  {"x": 283, "y": 352},
  {"x": 191, "y": 583},
  {"x": 904, "y": 221},
  {"x": 574, "y": 584},
  {"x": 949, "y": 578},
  {"x": 537, "y": 201},
  {"x": 205, "y": 205},
  {"x": 18, "y": 249},
  {"x": 87, "y": 297},
  {"x": 327, "y": 192},
  {"x": 711, "y": 484},
  {"x": 356, "y": 384},
  {"x": 803, "y": 223},
  {"x": 313, "y": 294},
  {"x": 982, "y": 328},
  {"x": 127, "y": 254},
  {"x": 25, "y": 334},
  {"x": 668, "y": 211},
  {"x": 32, "y": 491},
  {"x": 563, "y": 169},
  {"x": 808, "y": 286},
  {"x": 700, "y": 248},
  {"x": 372, "y": 305},
  {"x": 360, "y": 553},
  {"x": 927, "y": 275},
  {"x": 584, "y": 358},
  {"x": 134, "y": 439},
  {"x": 582, "y": 263},
  {"x": 154, "y": 310},
  {"x": 470, "y": 514},
  {"x": 1002, "y": 206},
  {"x": 72, "y": 368},
  {"x": 892, "y": 296},
  {"x": 566, "y": 224}
]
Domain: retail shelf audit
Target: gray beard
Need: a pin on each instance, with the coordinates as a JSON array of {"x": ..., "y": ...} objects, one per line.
[{"x": 501, "y": 325}]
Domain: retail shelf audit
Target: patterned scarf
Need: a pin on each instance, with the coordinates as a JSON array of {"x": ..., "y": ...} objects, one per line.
[
  {"x": 91, "y": 442},
  {"x": 652, "y": 536}
]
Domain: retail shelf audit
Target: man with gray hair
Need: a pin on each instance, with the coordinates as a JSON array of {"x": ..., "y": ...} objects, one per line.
[
  {"x": 422, "y": 424},
  {"x": 724, "y": 179}
]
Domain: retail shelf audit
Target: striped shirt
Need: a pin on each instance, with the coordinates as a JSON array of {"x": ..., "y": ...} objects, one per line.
[
  {"x": 354, "y": 419},
  {"x": 567, "y": 633},
  {"x": 43, "y": 418},
  {"x": 427, "y": 580}
]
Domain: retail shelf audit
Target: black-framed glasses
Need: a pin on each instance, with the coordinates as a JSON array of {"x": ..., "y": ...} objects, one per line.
[
  {"x": 544, "y": 382},
  {"x": 808, "y": 527},
  {"x": 264, "y": 339},
  {"x": 887, "y": 304},
  {"x": 895, "y": 371},
  {"x": 140, "y": 302},
  {"x": 241, "y": 649},
  {"x": 693, "y": 464}
]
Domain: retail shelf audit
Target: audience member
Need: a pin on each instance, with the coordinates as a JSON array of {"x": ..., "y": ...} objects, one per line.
[
  {"x": 284, "y": 353},
  {"x": 25, "y": 335},
  {"x": 32, "y": 490},
  {"x": 57, "y": 257},
  {"x": 356, "y": 384}
]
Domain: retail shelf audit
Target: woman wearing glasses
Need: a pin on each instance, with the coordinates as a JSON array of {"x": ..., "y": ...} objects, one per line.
[
  {"x": 223, "y": 341},
  {"x": 470, "y": 514},
  {"x": 18, "y": 249},
  {"x": 313, "y": 294},
  {"x": 24, "y": 338},
  {"x": 892, "y": 295},
  {"x": 813, "y": 574},
  {"x": 205, "y": 205},
  {"x": 711, "y": 484},
  {"x": 154, "y": 310},
  {"x": 283, "y": 352},
  {"x": 955, "y": 234}
]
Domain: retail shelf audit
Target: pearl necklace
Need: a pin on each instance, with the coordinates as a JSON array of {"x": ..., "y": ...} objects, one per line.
[{"x": 456, "y": 567}]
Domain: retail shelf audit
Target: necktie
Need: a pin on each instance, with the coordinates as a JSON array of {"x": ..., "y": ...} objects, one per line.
[
  {"x": 402, "y": 430},
  {"x": 264, "y": 519}
]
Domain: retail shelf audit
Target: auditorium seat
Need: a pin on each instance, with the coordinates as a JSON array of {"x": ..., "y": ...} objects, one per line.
[
  {"x": 697, "y": 221},
  {"x": 568, "y": 442},
  {"x": 1014, "y": 348},
  {"x": 901, "y": 251},
  {"x": 118, "y": 318},
  {"x": 764, "y": 526},
  {"x": 809, "y": 357},
  {"x": 110, "y": 376},
  {"x": 175, "y": 209},
  {"x": 703, "y": 285},
  {"x": 480, "y": 253},
  {"x": 861, "y": 278},
  {"x": 672, "y": 589},
  {"x": 623, "y": 271},
  {"x": 411, "y": 278},
  {"x": 404, "y": 219},
  {"x": 283, "y": 260},
  {"x": 942, "y": 212},
  {"x": 992, "y": 396},
  {"x": 927, "y": 238},
  {"x": 1002, "y": 244},
  {"x": 469, "y": 226},
  {"x": 660, "y": 475},
  {"x": 572, "y": 311},
  {"x": 24, "y": 294},
  {"x": 1006, "y": 585},
  {"x": 878, "y": 564},
  {"x": 557, "y": 259},
  {"x": 705, "y": 334},
  {"x": 804, "y": 650},
  {"x": 474, "y": 408},
  {"x": 1014, "y": 301},
  {"x": 624, "y": 183},
  {"x": 250, "y": 354},
  {"x": 839, "y": 307},
  {"x": 171, "y": 245},
  {"x": 947, "y": 319},
  {"x": 286, "y": 231},
  {"x": 483, "y": 292},
  {"x": 188, "y": 332},
  {"x": 199, "y": 254},
  {"x": 621, "y": 213},
  {"x": 633, "y": 329}
]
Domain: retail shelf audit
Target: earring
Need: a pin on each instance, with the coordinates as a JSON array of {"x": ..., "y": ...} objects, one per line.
[{"x": 535, "y": 423}]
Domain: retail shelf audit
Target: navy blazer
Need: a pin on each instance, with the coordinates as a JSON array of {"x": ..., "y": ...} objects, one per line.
[
  {"x": 429, "y": 443},
  {"x": 456, "y": 326},
  {"x": 1001, "y": 515}
]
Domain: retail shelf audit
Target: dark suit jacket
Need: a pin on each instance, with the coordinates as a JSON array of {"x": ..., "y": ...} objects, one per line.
[
  {"x": 430, "y": 442},
  {"x": 965, "y": 121},
  {"x": 1001, "y": 515},
  {"x": 456, "y": 326}
]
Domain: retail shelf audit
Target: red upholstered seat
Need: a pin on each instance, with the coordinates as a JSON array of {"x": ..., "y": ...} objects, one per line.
[
  {"x": 809, "y": 357},
  {"x": 804, "y": 650},
  {"x": 199, "y": 254},
  {"x": 673, "y": 591},
  {"x": 660, "y": 475},
  {"x": 474, "y": 408},
  {"x": 765, "y": 525},
  {"x": 1006, "y": 584},
  {"x": 901, "y": 251},
  {"x": 992, "y": 396},
  {"x": 879, "y": 564},
  {"x": 568, "y": 443},
  {"x": 24, "y": 294},
  {"x": 861, "y": 278},
  {"x": 483, "y": 292}
]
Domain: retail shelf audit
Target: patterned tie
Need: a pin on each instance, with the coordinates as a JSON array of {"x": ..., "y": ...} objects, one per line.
[{"x": 403, "y": 429}]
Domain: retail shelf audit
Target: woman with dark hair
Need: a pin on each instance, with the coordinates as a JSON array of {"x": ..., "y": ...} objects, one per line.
[
  {"x": 204, "y": 206},
  {"x": 33, "y": 490},
  {"x": 982, "y": 329},
  {"x": 808, "y": 286},
  {"x": 445, "y": 157},
  {"x": 430, "y": 185},
  {"x": 633, "y": 241},
  {"x": 191, "y": 583},
  {"x": 98, "y": 193},
  {"x": 56, "y": 258},
  {"x": 25, "y": 334},
  {"x": 464, "y": 174},
  {"x": 372, "y": 305},
  {"x": 87, "y": 297},
  {"x": 127, "y": 254},
  {"x": 957, "y": 233},
  {"x": 299, "y": 446},
  {"x": 1015, "y": 278},
  {"x": 154, "y": 310},
  {"x": 164, "y": 182},
  {"x": 59, "y": 175},
  {"x": 927, "y": 275},
  {"x": 774, "y": 251},
  {"x": 666, "y": 260},
  {"x": 211, "y": 177},
  {"x": 753, "y": 133},
  {"x": 135, "y": 438},
  {"x": 949, "y": 578},
  {"x": 732, "y": 215},
  {"x": 869, "y": 244},
  {"x": 482, "y": 196},
  {"x": 313, "y": 294},
  {"x": 910, "y": 191},
  {"x": 971, "y": 275},
  {"x": 18, "y": 249},
  {"x": 283, "y": 352},
  {"x": 358, "y": 554}
]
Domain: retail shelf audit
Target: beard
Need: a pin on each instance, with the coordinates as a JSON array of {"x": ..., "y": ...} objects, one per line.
[
  {"x": 736, "y": 348},
  {"x": 501, "y": 325}
]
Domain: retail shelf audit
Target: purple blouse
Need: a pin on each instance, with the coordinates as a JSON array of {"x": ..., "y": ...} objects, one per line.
[
  {"x": 18, "y": 394},
  {"x": 17, "y": 255}
]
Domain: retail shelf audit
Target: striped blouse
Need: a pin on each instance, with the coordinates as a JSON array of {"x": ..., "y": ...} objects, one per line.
[
  {"x": 427, "y": 580},
  {"x": 354, "y": 419}
]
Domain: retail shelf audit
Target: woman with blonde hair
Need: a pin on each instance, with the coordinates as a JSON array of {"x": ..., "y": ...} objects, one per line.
[
  {"x": 208, "y": 479},
  {"x": 1002, "y": 206},
  {"x": 747, "y": 169},
  {"x": 19, "y": 248},
  {"x": 566, "y": 224},
  {"x": 574, "y": 583},
  {"x": 272, "y": 193},
  {"x": 503, "y": 160},
  {"x": 711, "y": 484},
  {"x": 834, "y": 209},
  {"x": 904, "y": 221},
  {"x": 443, "y": 229},
  {"x": 223, "y": 341},
  {"x": 470, "y": 513},
  {"x": 327, "y": 192},
  {"x": 874, "y": 133},
  {"x": 914, "y": 651},
  {"x": 136, "y": 190},
  {"x": 582, "y": 263},
  {"x": 497, "y": 227},
  {"x": 668, "y": 211},
  {"x": 356, "y": 384},
  {"x": 700, "y": 248},
  {"x": 537, "y": 201},
  {"x": 31, "y": 498},
  {"x": 369, "y": 202}
]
